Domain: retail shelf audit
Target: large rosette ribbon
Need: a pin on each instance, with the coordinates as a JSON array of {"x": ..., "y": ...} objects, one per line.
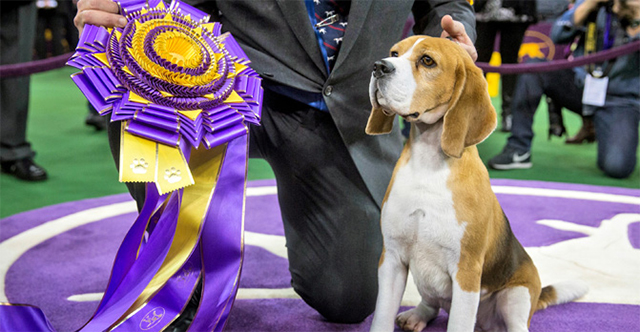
[{"x": 185, "y": 95}]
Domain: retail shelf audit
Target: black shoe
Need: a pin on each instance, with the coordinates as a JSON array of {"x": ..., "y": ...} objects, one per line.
[
  {"x": 511, "y": 159},
  {"x": 96, "y": 120},
  {"x": 24, "y": 169}
]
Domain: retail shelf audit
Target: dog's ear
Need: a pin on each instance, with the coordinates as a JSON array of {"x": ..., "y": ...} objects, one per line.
[
  {"x": 470, "y": 118},
  {"x": 379, "y": 123}
]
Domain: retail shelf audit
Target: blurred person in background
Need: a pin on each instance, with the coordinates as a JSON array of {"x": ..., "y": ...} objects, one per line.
[
  {"x": 610, "y": 91},
  {"x": 510, "y": 19},
  {"x": 55, "y": 33},
  {"x": 17, "y": 33}
]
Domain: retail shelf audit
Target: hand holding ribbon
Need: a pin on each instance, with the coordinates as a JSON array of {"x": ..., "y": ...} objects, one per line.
[{"x": 185, "y": 95}]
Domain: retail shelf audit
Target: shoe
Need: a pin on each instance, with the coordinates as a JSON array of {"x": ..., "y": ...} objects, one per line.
[
  {"x": 24, "y": 169},
  {"x": 509, "y": 158},
  {"x": 96, "y": 120},
  {"x": 586, "y": 133}
]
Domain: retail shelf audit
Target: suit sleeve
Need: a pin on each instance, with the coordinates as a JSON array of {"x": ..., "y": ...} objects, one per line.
[{"x": 428, "y": 13}]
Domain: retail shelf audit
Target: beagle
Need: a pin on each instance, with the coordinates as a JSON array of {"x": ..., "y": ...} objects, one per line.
[{"x": 440, "y": 218}]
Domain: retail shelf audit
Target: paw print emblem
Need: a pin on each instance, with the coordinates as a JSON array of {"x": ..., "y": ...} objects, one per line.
[
  {"x": 172, "y": 175},
  {"x": 139, "y": 166}
]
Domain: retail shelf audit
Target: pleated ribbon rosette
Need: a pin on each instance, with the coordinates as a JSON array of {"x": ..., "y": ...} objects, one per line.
[
  {"x": 185, "y": 95},
  {"x": 173, "y": 80}
]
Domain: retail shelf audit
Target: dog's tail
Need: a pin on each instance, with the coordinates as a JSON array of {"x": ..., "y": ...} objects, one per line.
[{"x": 562, "y": 292}]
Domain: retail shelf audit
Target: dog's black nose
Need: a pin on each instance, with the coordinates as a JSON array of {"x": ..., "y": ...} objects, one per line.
[{"x": 382, "y": 67}]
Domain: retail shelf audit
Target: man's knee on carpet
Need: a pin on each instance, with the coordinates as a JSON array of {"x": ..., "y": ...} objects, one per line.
[
  {"x": 616, "y": 165},
  {"x": 340, "y": 302},
  {"x": 338, "y": 295}
]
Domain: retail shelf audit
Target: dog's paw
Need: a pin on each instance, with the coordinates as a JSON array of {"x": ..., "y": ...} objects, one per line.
[{"x": 416, "y": 319}]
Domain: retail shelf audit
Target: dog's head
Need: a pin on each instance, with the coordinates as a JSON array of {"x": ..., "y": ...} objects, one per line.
[{"x": 426, "y": 79}]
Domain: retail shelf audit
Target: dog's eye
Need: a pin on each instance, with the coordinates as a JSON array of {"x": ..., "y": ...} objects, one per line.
[
  {"x": 394, "y": 54},
  {"x": 427, "y": 61}
]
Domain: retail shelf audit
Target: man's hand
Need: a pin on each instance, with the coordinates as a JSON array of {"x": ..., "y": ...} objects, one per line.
[
  {"x": 593, "y": 4},
  {"x": 629, "y": 10},
  {"x": 455, "y": 30},
  {"x": 583, "y": 11},
  {"x": 98, "y": 12}
]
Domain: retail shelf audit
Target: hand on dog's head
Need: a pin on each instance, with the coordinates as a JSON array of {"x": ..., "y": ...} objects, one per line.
[{"x": 426, "y": 79}]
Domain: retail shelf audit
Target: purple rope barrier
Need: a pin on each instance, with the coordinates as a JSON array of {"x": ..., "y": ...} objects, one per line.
[
  {"x": 561, "y": 64},
  {"x": 32, "y": 67},
  {"x": 28, "y": 68}
]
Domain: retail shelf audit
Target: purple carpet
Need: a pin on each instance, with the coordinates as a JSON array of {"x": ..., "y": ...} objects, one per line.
[{"x": 572, "y": 231}]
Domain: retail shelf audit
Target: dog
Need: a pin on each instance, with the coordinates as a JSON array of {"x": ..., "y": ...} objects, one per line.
[{"x": 440, "y": 218}]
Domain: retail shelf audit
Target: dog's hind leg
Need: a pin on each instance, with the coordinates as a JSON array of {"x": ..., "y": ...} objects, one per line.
[
  {"x": 392, "y": 279},
  {"x": 514, "y": 305},
  {"x": 417, "y": 318}
]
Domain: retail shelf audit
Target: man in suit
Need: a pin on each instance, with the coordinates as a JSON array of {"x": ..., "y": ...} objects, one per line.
[
  {"x": 17, "y": 35},
  {"x": 331, "y": 176}
]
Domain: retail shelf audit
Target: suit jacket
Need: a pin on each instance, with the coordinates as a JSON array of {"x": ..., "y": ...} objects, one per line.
[{"x": 278, "y": 38}]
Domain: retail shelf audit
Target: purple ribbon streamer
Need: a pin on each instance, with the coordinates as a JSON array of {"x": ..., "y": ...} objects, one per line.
[
  {"x": 142, "y": 270},
  {"x": 222, "y": 249},
  {"x": 169, "y": 302},
  {"x": 137, "y": 261},
  {"x": 127, "y": 253}
]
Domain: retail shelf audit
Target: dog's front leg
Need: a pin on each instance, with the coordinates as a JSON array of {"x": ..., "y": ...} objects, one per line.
[
  {"x": 392, "y": 279},
  {"x": 464, "y": 302}
]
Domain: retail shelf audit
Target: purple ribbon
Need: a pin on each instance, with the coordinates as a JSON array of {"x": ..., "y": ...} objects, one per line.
[
  {"x": 222, "y": 254},
  {"x": 142, "y": 270},
  {"x": 137, "y": 295}
]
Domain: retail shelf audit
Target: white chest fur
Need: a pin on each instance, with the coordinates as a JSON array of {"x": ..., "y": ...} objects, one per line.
[{"x": 418, "y": 219}]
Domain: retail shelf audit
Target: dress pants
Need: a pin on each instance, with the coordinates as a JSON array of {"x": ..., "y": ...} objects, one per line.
[
  {"x": 617, "y": 137},
  {"x": 17, "y": 33},
  {"x": 558, "y": 85},
  {"x": 511, "y": 35}
]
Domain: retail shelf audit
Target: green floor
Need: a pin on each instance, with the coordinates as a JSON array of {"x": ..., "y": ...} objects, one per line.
[{"x": 79, "y": 164}]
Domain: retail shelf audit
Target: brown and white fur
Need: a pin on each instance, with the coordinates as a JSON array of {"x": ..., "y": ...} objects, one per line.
[{"x": 440, "y": 217}]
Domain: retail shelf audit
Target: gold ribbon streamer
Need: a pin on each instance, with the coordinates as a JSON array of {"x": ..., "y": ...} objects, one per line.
[
  {"x": 142, "y": 160},
  {"x": 205, "y": 165}
]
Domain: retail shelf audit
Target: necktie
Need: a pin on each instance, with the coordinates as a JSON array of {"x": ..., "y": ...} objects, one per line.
[{"x": 331, "y": 17}]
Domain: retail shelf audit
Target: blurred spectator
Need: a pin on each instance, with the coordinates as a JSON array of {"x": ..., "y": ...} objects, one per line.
[
  {"x": 510, "y": 19},
  {"x": 55, "y": 33},
  {"x": 548, "y": 12},
  {"x": 17, "y": 29},
  {"x": 615, "y": 115}
]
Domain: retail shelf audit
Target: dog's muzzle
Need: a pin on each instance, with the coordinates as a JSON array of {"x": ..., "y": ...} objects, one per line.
[{"x": 382, "y": 67}]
